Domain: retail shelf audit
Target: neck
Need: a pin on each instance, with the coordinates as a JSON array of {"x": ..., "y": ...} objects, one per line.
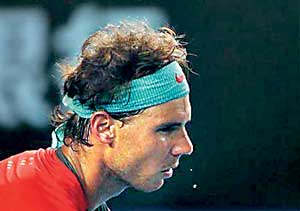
[{"x": 99, "y": 183}]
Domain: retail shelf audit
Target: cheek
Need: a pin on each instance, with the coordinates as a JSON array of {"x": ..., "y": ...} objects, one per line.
[
  {"x": 131, "y": 148},
  {"x": 140, "y": 147},
  {"x": 158, "y": 151},
  {"x": 163, "y": 139}
]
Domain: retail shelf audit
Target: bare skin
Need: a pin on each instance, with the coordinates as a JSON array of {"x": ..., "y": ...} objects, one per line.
[{"x": 140, "y": 153}]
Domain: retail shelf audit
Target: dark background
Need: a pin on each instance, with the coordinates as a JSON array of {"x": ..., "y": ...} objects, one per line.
[{"x": 245, "y": 104}]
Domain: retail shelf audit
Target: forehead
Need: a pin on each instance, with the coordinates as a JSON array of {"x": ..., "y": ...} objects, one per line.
[{"x": 175, "y": 110}]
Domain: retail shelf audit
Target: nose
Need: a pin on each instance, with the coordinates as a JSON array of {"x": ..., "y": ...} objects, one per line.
[{"x": 183, "y": 145}]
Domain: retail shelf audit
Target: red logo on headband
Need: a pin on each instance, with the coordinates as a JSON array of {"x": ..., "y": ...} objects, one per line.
[{"x": 179, "y": 78}]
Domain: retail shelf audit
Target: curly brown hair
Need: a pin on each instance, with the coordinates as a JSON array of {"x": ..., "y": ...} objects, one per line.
[{"x": 111, "y": 58}]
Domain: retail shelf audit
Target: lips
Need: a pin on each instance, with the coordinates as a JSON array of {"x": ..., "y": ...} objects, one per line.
[
  {"x": 175, "y": 165},
  {"x": 168, "y": 173},
  {"x": 172, "y": 167}
]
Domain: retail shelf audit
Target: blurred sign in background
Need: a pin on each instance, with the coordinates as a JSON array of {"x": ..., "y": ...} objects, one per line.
[
  {"x": 245, "y": 103},
  {"x": 23, "y": 56}
]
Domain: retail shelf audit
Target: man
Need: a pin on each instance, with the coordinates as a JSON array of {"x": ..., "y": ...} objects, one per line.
[{"x": 123, "y": 125}]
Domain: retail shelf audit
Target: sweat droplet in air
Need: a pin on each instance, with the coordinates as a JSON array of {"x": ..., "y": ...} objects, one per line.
[{"x": 194, "y": 186}]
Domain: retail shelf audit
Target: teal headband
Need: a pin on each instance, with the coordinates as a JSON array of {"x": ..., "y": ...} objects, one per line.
[{"x": 166, "y": 84}]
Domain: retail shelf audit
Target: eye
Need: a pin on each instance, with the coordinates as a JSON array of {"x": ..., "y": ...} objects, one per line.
[
  {"x": 167, "y": 129},
  {"x": 188, "y": 126}
]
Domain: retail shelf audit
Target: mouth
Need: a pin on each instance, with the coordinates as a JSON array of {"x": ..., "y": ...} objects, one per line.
[{"x": 167, "y": 173}]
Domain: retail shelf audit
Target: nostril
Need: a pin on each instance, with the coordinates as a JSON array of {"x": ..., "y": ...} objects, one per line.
[{"x": 176, "y": 150}]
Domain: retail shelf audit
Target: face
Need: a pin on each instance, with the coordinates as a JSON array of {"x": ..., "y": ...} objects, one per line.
[{"x": 148, "y": 147}]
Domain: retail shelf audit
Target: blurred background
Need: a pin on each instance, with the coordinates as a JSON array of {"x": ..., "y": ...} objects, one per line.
[{"x": 245, "y": 125}]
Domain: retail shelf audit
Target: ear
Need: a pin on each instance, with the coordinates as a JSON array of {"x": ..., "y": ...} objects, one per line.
[{"x": 102, "y": 127}]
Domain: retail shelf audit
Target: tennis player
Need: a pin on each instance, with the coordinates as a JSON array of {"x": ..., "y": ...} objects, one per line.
[{"x": 121, "y": 124}]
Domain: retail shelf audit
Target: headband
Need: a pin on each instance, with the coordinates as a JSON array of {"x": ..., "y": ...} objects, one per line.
[{"x": 166, "y": 84}]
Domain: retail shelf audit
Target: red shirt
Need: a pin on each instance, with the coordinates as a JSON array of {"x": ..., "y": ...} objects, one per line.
[{"x": 37, "y": 180}]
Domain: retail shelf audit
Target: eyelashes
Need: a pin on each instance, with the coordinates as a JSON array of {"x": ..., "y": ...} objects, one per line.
[
  {"x": 188, "y": 126},
  {"x": 172, "y": 127},
  {"x": 167, "y": 129}
]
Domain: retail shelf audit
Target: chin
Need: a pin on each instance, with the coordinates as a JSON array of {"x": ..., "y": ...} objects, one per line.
[
  {"x": 150, "y": 186},
  {"x": 152, "y": 189}
]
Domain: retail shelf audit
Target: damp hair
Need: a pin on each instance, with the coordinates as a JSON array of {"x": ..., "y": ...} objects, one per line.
[{"x": 109, "y": 59}]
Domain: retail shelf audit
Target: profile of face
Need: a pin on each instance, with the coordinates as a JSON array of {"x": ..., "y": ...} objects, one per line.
[{"x": 148, "y": 147}]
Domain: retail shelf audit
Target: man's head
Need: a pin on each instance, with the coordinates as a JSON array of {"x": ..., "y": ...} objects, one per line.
[
  {"x": 144, "y": 151},
  {"x": 142, "y": 138}
]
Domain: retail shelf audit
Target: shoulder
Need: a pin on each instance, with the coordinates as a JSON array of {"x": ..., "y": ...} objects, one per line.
[
  {"x": 25, "y": 165},
  {"x": 37, "y": 180}
]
